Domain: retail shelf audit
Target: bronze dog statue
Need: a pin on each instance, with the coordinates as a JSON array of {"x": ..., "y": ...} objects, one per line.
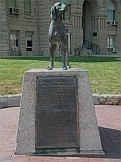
[{"x": 58, "y": 35}]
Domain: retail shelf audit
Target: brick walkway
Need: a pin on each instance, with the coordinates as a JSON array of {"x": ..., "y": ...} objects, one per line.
[{"x": 109, "y": 122}]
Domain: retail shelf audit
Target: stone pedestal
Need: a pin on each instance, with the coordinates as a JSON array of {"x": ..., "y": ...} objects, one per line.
[{"x": 57, "y": 114}]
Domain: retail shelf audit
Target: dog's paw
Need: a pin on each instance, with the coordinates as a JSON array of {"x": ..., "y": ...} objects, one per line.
[
  {"x": 69, "y": 67},
  {"x": 65, "y": 68},
  {"x": 50, "y": 68}
]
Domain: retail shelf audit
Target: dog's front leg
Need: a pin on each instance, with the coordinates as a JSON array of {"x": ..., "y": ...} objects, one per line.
[
  {"x": 51, "y": 65},
  {"x": 67, "y": 61},
  {"x": 63, "y": 52}
]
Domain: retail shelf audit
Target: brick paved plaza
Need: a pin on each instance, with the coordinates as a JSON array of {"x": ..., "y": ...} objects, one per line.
[{"x": 109, "y": 122}]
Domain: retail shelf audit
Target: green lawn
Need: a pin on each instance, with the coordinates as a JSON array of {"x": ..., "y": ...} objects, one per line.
[{"x": 104, "y": 72}]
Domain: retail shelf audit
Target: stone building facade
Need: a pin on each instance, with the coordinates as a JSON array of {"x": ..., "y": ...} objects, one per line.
[{"x": 92, "y": 24}]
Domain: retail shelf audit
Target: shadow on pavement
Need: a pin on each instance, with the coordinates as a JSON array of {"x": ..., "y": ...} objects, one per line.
[{"x": 111, "y": 142}]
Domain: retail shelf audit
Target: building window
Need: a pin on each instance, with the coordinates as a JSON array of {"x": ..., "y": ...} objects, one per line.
[
  {"x": 14, "y": 41},
  {"x": 68, "y": 13},
  {"x": 29, "y": 41},
  {"x": 111, "y": 42},
  {"x": 27, "y": 7},
  {"x": 12, "y": 3},
  {"x": 111, "y": 11}
]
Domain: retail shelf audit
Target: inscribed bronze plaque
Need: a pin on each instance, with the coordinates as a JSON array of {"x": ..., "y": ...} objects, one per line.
[{"x": 56, "y": 112}]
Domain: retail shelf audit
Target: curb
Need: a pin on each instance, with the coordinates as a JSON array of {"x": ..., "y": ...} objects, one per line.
[
  {"x": 14, "y": 100},
  {"x": 10, "y": 101}
]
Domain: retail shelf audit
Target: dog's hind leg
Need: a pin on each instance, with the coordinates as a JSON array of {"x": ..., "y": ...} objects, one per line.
[
  {"x": 67, "y": 61},
  {"x": 63, "y": 52},
  {"x": 51, "y": 65}
]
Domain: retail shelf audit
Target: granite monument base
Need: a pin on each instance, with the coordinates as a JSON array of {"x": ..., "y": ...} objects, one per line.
[{"x": 57, "y": 115}]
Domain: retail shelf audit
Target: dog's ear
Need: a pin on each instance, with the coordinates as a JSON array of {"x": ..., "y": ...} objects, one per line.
[{"x": 53, "y": 13}]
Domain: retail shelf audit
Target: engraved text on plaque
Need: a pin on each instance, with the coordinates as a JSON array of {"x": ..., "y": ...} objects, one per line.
[{"x": 56, "y": 112}]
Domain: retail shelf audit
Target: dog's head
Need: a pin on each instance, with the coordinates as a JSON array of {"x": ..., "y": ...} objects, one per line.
[{"x": 57, "y": 8}]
